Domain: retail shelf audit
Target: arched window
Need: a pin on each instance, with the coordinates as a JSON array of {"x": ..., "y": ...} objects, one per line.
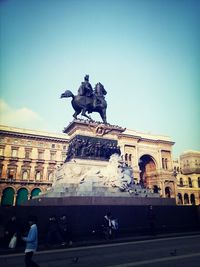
[
  {"x": 186, "y": 199},
  {"x": 35, "y": 192},
  {"x": 190, "y": 182},
  {"x": 192, "y": 199},
  {"x": 22, "y": 196},
  {"x": 126, "y": 157},
  {"x": 24, "y": 175},
  {"x": 181, "y": 181},
  {"x": 199, "y": 182},
  {"x": 168, "y": 191},
  {"x": 180, "y": 199},
  {"x": 8, "y": 197}
]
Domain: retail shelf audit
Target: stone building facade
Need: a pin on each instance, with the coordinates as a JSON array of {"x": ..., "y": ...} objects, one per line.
[
  {"x": 28, "y": 160},
  {"x": 187, "y": 172}
]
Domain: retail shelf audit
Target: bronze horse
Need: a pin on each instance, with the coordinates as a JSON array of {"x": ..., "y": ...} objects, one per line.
[{"x": 82, "y": 103}]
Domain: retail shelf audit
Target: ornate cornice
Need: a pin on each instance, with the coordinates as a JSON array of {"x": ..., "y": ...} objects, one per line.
[
  {"x": 142, "y": 139},
  {"x": 95, "y": 128},
  {"x": 33, "y": 136}
]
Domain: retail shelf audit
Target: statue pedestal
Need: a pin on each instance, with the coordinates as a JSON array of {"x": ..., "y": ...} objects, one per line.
[
  {"x": 93, "y": 129},
  {"x": 94, "y": 172},
  {"x": 100, "y": 201}
]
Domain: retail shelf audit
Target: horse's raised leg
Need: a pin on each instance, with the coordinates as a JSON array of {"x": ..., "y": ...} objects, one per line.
[{"x": 83, "y": 113}]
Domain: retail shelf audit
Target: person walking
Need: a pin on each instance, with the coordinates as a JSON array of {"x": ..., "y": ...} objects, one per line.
[
  {"x": 31, "y": 242},
  {"x": 107, "y": 225},
  {"x": 11, "y": 232},
  {"x": 53, "y": 232},
  {"x": 110, "y": 226},
  {"x": 64, "y": 230}
]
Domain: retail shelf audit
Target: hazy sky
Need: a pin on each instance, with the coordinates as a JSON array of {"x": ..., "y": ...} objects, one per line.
[{"x": 145, "y": 52}]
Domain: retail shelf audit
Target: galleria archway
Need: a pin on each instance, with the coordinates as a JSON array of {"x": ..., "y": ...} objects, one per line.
[{"x": 147, "y": 168}]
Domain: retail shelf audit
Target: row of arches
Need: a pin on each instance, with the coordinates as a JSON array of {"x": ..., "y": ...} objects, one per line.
[
  {"x": 26, "y": 174},
  {"x": 186, "y": 199},
  {"x": 188, "y": 182},
  {"x": 10, "y": 197}
]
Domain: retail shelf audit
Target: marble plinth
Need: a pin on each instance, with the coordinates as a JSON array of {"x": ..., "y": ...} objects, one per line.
[{"x": 100, "y": 201}]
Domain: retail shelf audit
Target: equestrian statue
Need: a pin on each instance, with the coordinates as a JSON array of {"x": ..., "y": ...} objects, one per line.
[{"x": 88, "y": 100}]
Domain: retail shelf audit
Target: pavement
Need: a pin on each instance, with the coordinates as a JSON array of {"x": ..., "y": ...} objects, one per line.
[
  {"x": 92, "y": 241},
  {"x": 58, "y": 256}
]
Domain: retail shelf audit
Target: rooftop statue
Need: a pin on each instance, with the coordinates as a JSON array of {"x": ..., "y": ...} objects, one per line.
[{"x": 88, "y": 100}]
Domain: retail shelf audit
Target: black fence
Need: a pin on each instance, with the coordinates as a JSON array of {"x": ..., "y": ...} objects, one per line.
[{"x": 84, "y": 220}]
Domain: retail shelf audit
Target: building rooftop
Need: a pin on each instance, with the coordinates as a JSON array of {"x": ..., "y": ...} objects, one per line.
[
  {"x": 148, "y": 135},
  {"x": 32, "y": 132}
]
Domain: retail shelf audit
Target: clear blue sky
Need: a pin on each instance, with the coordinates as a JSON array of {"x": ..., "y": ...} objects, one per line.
[{"x": 145, "y": 52}]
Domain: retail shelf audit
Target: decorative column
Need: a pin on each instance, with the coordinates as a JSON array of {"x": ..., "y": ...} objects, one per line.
[
  {"x": 194, "y": 182},
  {"x": 15, "y": 199},
  {"x": 163, "y": 188},
  {"x": 29, "y": 196}
]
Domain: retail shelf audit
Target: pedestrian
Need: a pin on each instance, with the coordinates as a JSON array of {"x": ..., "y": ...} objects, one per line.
[
  {"x": 64, "y": 230},
  {"x": 11, "y": 232},
  {"x": 107, "y": 226},
  {"x": 53, "y": 233},
  {"x": 31, "y": 242}
]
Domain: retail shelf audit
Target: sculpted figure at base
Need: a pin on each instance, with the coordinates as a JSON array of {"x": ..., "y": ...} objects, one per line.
[
  {"x": 114, "y": 178},
  {"x": 91, "y": 148},
  {"x": 88, "y": 100}
]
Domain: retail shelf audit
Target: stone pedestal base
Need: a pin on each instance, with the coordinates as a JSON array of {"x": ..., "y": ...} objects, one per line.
[{"x": 102, "y": 201}]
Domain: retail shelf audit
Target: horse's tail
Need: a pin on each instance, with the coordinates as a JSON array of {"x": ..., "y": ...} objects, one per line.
[{"x": 67, "y": 93}]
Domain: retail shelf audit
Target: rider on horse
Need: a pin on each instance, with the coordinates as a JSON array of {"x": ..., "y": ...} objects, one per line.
[
  {"x": 87, "y": 100},
  {"x": 86, "y": 88}
]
